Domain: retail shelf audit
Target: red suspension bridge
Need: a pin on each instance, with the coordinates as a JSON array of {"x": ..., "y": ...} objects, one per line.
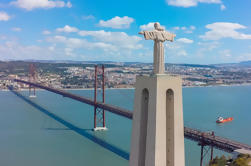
[{"x": 203, "y": 138}]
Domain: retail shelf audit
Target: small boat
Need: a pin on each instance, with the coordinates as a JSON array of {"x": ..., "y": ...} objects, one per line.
[{"x": 222, "y": 120}]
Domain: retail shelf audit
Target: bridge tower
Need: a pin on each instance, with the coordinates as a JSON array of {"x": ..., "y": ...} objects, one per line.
[
  {"x": 204, "y": 151},
  {"x": 99, "y": 93},
  {"x": 32, "y": 78}
]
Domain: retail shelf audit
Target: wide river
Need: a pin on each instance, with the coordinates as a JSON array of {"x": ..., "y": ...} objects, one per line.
[{"x": 51, "y": 130}]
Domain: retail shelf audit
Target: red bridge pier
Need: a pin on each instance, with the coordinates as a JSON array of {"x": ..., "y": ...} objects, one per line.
[
  {"x": 32, "y": 78},
  {"x": 203, "y": 148},
  {"x": 99, "y": 91}
]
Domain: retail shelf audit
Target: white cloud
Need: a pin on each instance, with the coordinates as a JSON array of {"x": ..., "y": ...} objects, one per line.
[
  {"x": 182, "y": 53},
  {"x": 89, "y": 17},
  {"x": 177, "y": 48},
  {"x": 120, "y": 39},
  {"x": 189, "y": 29},
  {"x": 206, "y": 47},
  {"x": 16, "y": 29},
  {"x": 51, "y": 48},
  {"x": 185, "y": 40},
  {"x": 68, "y": 4},
  {"x": 209, "y": 45},
  {"x": 111, "y": 44},
  {"x": 4, "y": 16},
  {"x": 149, "y": 26},
  {"x": 192, "y": 27},
  {"x": 222, "y": 7},
  {"x": 183, "y": 28},
  {"x": 58, "y": 47},
  {"x": 74, "y": 43},
  {"x": 57, "y": 39},
  {"x": 244, "y": 57},
  {"x": 42, "y": 4},
  {"x": 221, "y": 30},
  {"x": 69, "y": 51},
  {"x": 190, "y": 3},
  {"x": 225, "y": 53},
  {"x": 117, "y": 22},
  {"x": 67, "y": 29},
  {"x": 14, "y": 50},
  {"x": 173, "y": 46},
  {"x": 2, "y": 37},
  {"x": 182, "y": 3},
  {"x": 46, "y": 32}
]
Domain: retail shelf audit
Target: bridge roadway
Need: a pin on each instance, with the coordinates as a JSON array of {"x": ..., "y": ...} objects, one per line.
[{"x": 204, "y": 138}]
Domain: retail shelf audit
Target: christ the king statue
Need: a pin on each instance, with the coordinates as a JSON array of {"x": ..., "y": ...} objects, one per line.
[{"x": 159, "y": 35}]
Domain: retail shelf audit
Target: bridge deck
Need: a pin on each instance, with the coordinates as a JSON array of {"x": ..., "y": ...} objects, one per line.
[
  {"x": 192, "y": 134},
  {"x": 107, "y": 107},
  {"x": 215, "y": 141}
]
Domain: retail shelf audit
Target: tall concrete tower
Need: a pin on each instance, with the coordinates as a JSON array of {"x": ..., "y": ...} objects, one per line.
[{"x": 158, "y": 129}]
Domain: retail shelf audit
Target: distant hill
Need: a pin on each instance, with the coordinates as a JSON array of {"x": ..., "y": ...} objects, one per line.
[
  {"x": 195, "y": 65},
  {"x": 71, "y": 62},
  {"x": 22, "y": 67},
  {"x": 240, "y": 64},
  {"x": 245, "y": 63}
]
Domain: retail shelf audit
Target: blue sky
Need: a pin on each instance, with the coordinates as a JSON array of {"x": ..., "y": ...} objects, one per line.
[{"x": 207, "y": 31}]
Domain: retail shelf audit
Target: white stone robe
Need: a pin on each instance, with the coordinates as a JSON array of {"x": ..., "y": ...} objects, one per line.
[{"x": 158, "y": 58}]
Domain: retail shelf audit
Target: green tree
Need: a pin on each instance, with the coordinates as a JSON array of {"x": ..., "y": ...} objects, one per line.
[{"x": 241, "y": 160}]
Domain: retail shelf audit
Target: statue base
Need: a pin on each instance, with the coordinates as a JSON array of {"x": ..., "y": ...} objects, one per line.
[{"x": 158, "y": 130}]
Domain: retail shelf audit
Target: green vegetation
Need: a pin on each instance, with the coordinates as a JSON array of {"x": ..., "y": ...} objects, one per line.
[
  {"x": 222, "y": 161},
  {"x": 241, "y": 160},
  {"x": 74, "y": 81}
]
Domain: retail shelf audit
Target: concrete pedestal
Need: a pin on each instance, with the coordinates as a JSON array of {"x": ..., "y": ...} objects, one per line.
[
  {"x": 100, "y": 128},
  {"x": 158, "y": 130}
]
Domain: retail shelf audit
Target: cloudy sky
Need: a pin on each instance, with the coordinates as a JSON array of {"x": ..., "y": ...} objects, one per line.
[{"x": 208, "y": 31}]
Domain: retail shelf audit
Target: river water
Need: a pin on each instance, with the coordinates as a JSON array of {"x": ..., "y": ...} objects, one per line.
[{"x": 55, "y": 131}]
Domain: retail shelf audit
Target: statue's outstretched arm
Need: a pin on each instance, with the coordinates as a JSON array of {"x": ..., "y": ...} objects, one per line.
[{"x": 141, "y": 33}]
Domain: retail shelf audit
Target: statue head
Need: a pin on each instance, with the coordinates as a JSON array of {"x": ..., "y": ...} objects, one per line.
[{"x": 158, "y": 27}]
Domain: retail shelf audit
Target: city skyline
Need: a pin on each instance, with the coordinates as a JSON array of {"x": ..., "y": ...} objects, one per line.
[{"x": 208, "y": 31}]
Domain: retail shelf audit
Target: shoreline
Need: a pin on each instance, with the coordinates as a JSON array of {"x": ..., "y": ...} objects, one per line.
[{"x": 222, "y": 85}]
